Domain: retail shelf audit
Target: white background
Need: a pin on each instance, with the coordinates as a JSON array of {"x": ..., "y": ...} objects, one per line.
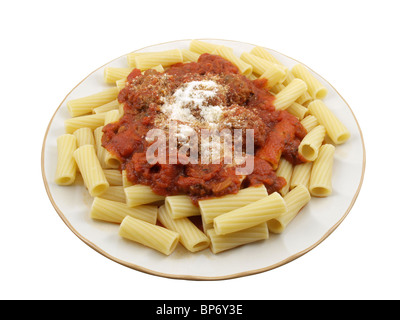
[{"x": 50, "y": 46}]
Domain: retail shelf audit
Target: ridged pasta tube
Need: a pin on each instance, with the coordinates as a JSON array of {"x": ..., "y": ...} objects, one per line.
[
  {"x": 212, "y": 208},
  {"x": 290, "y": 94},
  {"x": 181, "y": 206},
  {"x": 140, "y": 194},
  {"x": 227, "y": 53},
  {"x": 166, "y": 58},
  {"x": 92, "y": 173},
  {"x": 301, "y": 175},
  {"x": 285, "y": 169},
  {"x": 201, "y": 47},
  {"x": 115, "y": 211},
  {"x": 296, "y": 199},
  {"x": 314, "y": 87},
  {"x": 150, "y": 235},
  {"x": 335, "y": 129},
  {"x": 85, "y": 105},
  {"x": 91, "y": 121},
  {"x": 84, "y": 136},
  {"x": 309, "y": 122},
  {"x": 220, "y": 243},
  {"x": 191, "y": 237},
  {"x": 66, "y": 165},
  {"x": 321, "y": 173},
  {"x": 311, "y": 143},
  {"x": 112, "y": 74},
  {"x": 251, "y": 215}
]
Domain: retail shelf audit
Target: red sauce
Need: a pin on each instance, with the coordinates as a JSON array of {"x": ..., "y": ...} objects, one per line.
[{"x": 277, "y": 133}]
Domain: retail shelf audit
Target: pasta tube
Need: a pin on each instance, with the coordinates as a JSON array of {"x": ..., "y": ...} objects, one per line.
[
  {"x": 227, "y": 53},
  {"x": 311, "y": 143},
  {"x": 232, "y": 240},
  {"x": 150, "y": 235},
  {"x": 265, "y": 69},
  {"x": 285, "y": 169},
  {"x": 181, "y": 206},
  {"x": 113, "y": 105},
  {"x": 115, "y": 211},
  {"x": 92, "y": 173},
  {"x": 212, "y": 208},
  {"x": 201, "y": 47},
  {"x": 191, "y": 237},
  {"x": 84, "y": 136},
  {"x": 140, "y": 194},
  {"x": 113, "y": 74},
  {"x": 265, "y": 54},
  {"x": 321, "y": 173},
  {"x": 66, "y": 166},
  {"x": 114, "y": 193},
  {"x": 251, "y": 215},
  {"x": 114, "y": 177},
  {"x": 295, "y": 200},
  {"x": 314, "y": 87},
  {"x": 301, "y": 175},
  {"x": 91, "y": 121},
  {"x": 297, "y": 110},
  {"x": 189, "y": 56},
  {"x": 309, "y": 123},
  {"x": 81, "y": 106},
  {"x": 166, "y": 58},
  {"x": 335, "y": 129},
  {"x": 290, "y": 94}
]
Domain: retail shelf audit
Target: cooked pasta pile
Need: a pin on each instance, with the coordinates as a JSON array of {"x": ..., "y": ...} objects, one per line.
[{"x": 162, "y": 221}]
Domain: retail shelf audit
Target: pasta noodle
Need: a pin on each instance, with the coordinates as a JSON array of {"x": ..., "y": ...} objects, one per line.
[
  {"x": 311, "y": 143},
  {"x": 321, "y": 173},
  {"x": 91, "y": 121},
  {"x": 201, "y": 47},
  {"x": 150, "y": 235},
  {"x": 335, "y": 129},
  {"x": 116, "y": 211},
  {"x": 315, "y": 88},
  {"x": 232, "y": 240},
  {"x": 301, "y": 175},
  {"x": 296, "y": 199},
  {"x": 90, "y": 168},
  {"x": 285, "y": 169},
  {"x": 81, "y": 106},
  {"x": 66, "y": 166},
  {"x": 211, "y": 208},
  {"x": 181, "y": 206},
  {"x": 228, "y": 54},
  {"x": 251, "y": 215},
  {"x": 113, "y": 74},
  {"x": 191, "y": 237},
  {"x": 290, "y": 94},
  {"x": 84, "y": 136},
  {"x": 113, "y": 176},
  {"x": 140, "y": 194},
  {"x": 151, "y": 59},
  {"x": 114, "y": 193},
  {"x": 265, "y": 69},
  {"x": 309, "y": 123}
]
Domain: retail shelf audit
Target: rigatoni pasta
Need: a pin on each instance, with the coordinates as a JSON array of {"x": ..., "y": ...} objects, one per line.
[
  {"x": 66, "y": 166},
  {"x": 90, "y": 168},
  {"x": 191, "y": 237},
  {"x": 244, "y": 215},
  {"x": 335, "y": 128},
  {"x": 150, "y": 235}
]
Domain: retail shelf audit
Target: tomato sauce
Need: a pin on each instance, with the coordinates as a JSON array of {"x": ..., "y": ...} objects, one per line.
[{"x": 277, "y": 133}]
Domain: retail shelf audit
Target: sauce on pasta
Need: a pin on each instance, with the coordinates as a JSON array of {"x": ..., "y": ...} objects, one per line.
[{"x": 231, "y": 100}]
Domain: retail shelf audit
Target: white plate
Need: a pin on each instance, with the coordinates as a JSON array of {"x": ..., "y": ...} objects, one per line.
[{"x": 314, "y": 223}]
